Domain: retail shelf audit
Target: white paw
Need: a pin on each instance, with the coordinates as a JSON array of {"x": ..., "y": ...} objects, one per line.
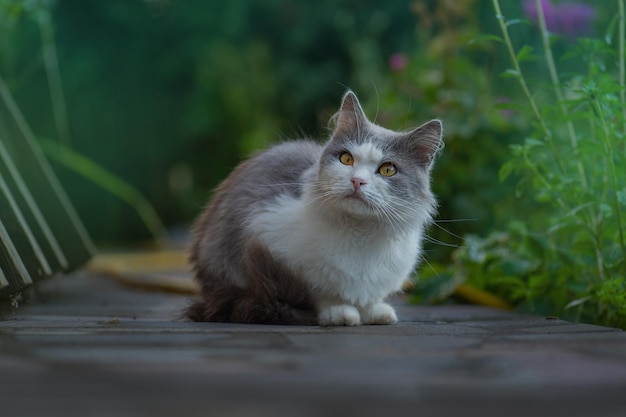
[
  {"x": 339, "y": 315},
  {"x": 379, "y": 313}
]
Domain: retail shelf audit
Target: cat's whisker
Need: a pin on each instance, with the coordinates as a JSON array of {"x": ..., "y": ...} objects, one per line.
[
  {"x": 390, "y": 217},
  {"x": 447, "y": 231},
  {"x": 432, "y": 268},
  {"x": 441, "y": 243},
  {"x": 279, "y": 184},
  {"x": 320, "y": 198},
  {"x": 401, "y": 219},
  {"x": 320, "y": 194},
  {"x": 454, "y": 220},
  {"x": 395, "y": 218},
  {"x": 397, "y": 202}
]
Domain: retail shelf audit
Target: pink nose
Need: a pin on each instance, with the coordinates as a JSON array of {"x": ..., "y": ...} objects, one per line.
[{"x": 357, "y": 183}]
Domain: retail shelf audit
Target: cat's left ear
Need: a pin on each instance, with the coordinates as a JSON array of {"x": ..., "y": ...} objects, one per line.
[
  {"x": 426, "y": 141},
  {"x": 350, "y": 118}
]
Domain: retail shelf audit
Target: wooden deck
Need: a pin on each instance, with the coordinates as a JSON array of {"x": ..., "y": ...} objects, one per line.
[{"x": 88, "y": 346}]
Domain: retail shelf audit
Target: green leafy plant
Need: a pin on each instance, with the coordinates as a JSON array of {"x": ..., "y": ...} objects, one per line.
[
  {"x": 444, "y": 72},
  {"x": 567, "y": 255}
]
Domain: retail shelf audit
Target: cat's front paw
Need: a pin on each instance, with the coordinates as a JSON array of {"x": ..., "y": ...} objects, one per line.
[
  {"x": 339, "y": 315},
  {"x": 379, "y": 313}
]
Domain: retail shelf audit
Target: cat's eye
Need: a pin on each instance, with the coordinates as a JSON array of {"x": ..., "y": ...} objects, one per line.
[
  {"x": 387, "y": 169},
  {"x": 346, "y": 158}
]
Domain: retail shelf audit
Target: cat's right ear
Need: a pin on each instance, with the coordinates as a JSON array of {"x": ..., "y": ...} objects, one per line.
[
  {"x": 350, "y": 118},
  {"x": 427, "y": 141}
]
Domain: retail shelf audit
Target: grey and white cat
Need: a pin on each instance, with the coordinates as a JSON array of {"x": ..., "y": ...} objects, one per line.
[{"x": 310, "y": 233}]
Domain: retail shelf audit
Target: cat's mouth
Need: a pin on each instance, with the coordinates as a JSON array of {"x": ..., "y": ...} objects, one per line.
[{"x": 357, "y": 196}]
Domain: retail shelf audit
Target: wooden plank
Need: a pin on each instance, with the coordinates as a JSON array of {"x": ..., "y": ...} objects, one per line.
[
  {"x": 49, "y": 243},
  {"x": 12, "y": 265},
  {"x": 44, "y": 186},
  {"x": 3, "y": 280},
  {"x": 19, "y": 231},
  {"x": 40, "y": 232}
]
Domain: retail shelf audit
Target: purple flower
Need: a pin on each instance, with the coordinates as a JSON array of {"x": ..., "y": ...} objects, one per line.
[
  {"x": 567, "y": 18},
  {"x": 576, "y": 18},
  {"x": 549, "y": 12},
  {"x": 398, "y": 62}
]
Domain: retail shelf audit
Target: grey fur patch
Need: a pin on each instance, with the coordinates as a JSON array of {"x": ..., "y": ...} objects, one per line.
[{"x": 219, "y": 235}]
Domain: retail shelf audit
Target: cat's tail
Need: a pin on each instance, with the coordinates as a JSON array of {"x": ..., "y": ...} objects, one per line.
[{"x": 273, "y": 295}]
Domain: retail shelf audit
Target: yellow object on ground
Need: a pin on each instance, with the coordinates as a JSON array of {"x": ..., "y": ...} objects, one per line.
[
  {"x": 477, "y": 296},
  {"x": 158, "y": 270}
]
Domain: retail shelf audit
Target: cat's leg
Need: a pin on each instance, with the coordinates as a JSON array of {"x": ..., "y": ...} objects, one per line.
[
  {"x": 339, "y": 315},
  {"x": 378, "y": 313},
  {"x": 336, "y": 313}
]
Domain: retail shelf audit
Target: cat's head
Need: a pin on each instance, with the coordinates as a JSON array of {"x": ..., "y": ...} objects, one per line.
[{"x": 368, "y": 171}]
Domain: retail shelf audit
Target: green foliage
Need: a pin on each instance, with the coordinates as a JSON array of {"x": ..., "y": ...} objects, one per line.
[
  {"x": 567, "y": 256},
  {"x": 170, "y": 95},
  {"x": 448, "y": 74}
]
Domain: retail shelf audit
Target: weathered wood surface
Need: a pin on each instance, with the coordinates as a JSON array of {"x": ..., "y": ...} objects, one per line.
[{"x": 91, "y": 347}]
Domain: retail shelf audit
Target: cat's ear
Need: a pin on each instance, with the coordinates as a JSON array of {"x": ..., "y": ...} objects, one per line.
[
  {"x": 426, "y": 141},
  {"x": 350, "y": 118}
]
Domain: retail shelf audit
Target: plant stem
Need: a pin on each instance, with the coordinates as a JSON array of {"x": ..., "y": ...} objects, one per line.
[
  {"x": 51, "y": 63},
  {"x": 613, "y": 178},
  {"x": 522, "y": 81},
  {"x": 622, "y": 65},
  {"x": 545, "y": 36},
  {"x": 599, "y": 261}
]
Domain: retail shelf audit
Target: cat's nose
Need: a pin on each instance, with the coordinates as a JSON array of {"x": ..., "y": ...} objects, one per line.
[{"x": 357, "y": 182}]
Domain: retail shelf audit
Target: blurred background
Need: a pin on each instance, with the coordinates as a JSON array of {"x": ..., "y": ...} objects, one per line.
[
  {"x": 168, "y": 96},
  {"x": 144, "y": 106}
]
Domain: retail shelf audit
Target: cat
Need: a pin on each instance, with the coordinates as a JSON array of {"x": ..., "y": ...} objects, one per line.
[{"x": 304, "y": 233}]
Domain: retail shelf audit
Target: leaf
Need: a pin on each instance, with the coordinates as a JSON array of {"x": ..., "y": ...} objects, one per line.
[
  {"x": 525, "y": 54},
  {"x": 532, "y": 142},
  {"x": 505, "y": 170},
  {"x": 612, "y": 255},
  {"x": 485, "y": 38},
  {"x": 621, "y": 197},
  {"x": 437, "y": 288},
  {"x": 577, "y": 302},
  {"x": 513, "y": 22},
  {"x": 510, "y": 73},
  {"x": 105, "y": 179},
  {"x": 557, "y": 227},
  {"x": 576, "y": 209},
  {"x": 606, "y": 210},
  {"x": 610, "y": 30}
]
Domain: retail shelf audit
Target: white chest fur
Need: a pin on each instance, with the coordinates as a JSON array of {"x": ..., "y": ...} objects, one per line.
[{"x": 356, "y": 262}]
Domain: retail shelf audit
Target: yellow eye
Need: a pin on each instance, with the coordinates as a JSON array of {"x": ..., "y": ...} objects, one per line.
[
  {"x": 346, "y": 158},
  {"x": 387, "y": 169}
]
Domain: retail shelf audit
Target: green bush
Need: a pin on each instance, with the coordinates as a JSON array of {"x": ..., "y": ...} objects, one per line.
[
  {"x": 566, "y": 254},
  {"x": 446, "y": 74}
]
